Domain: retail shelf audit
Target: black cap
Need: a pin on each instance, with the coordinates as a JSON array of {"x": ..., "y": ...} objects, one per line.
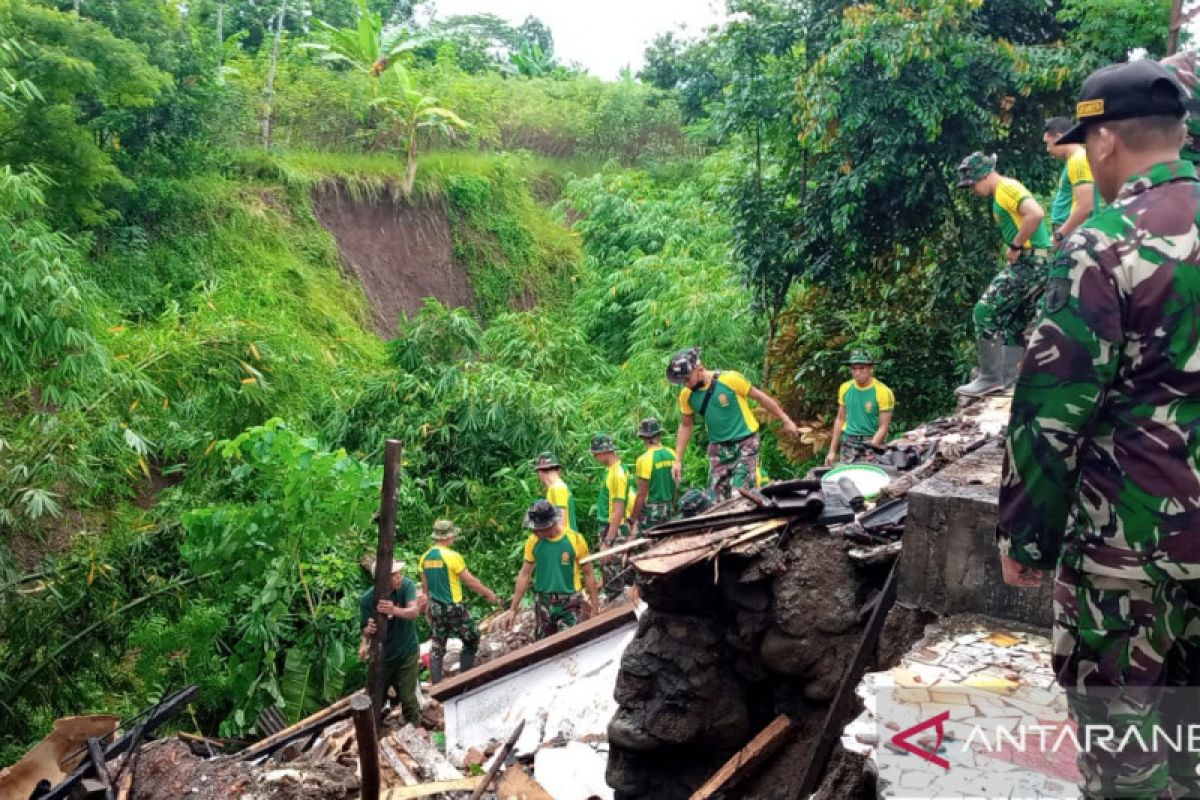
[{"x": 1125, "y": 91}]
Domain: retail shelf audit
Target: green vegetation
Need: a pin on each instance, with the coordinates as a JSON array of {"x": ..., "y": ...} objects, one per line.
[{"x": 194, "y": 406}]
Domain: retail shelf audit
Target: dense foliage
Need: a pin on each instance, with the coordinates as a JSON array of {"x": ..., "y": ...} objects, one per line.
[{"x": 194, "y": 405}]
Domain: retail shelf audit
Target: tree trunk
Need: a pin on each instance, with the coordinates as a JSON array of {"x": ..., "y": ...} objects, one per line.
[
  {"x": 221, "y": 30},
  {"x": 1176, "y": 24},
  {"x": 410, "y": 174},
  {"x": 269, "y": 99}
]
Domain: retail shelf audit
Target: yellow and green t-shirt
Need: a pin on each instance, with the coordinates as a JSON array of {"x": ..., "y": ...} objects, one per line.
[
  {"x": 761, "y": 478},
  {"x": 654, "y": 466},
  {"x": 863, "y": 404},
  {"x": 556, "y": 562},
  {"x": 1006, "y": 210},
  {"x": 1077, "y": 172},
  {"x": 616, "y": 486},
  {"x": 560, "y": 496},
  {"x": 728, "y": 417},
  {"x": 441, "y": 567}
]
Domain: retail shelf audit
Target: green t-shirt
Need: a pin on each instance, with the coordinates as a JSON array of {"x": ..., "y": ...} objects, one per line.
[
  {"x": 863, "y": 405},
  {"x": 1006, "y": 210},
  {"x": 1060, "y": 209},
  {"x": 401, "y": 641},
  {"x": 556, "y": 562},
  {"x": 654, "y": 466},
  {"x": 728, "y": 417},
  {"x": 442, "y": 567}
]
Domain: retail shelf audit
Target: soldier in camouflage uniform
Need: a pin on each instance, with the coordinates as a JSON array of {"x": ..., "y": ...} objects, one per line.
[
  {"x": 693, "y": 502},
  {"x": 1009, "y": 302},
  {"x": 1183, "y": 67},
  {"x": 1102, "y": 470},
  {"x": 721, "y": 399},
  {"x": 551, "y": 563},
  {"x": 655, "y": 501},
  {"x": 444, "y": 573}
]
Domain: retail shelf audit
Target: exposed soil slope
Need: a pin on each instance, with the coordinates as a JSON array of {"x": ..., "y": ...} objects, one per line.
[{"x": 400, "y": 253}]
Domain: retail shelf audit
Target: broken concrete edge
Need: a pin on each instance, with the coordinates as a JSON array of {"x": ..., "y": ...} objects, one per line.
[{"x": 546, "y": 648}]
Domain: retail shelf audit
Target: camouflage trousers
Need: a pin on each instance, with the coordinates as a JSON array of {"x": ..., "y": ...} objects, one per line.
[
  {"x": 555, "y": 612},
  {"x": 453, "y": 620},
  {"x": 1010, "y": 301},
  {"x": 654, "y": 513},
  {"x": 615, "y": 565},
  {"x": 1127, "y": 653},
  {"x": 731, "y": 466},
  {"x": 852, "y": 448}
]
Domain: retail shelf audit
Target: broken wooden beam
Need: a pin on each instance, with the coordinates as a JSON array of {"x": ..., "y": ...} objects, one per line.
[
  {"x": 744, "y": 762},
  {"x": 430, "y": 789},
  {"x": 156, "y": 715},
  {"x": 677, "y": 554},
  {"x": 551, "y": 646},
  {"x": 368, "y": 745},
  {"x": 100, "y": 764},
  {"x": 305, "y": 727},
  {"x": 831, "y": 729},
  {"x": 406, "y": 775},
  {"x": 612, "y": 551},
  {"x": 498, "y": 761}
]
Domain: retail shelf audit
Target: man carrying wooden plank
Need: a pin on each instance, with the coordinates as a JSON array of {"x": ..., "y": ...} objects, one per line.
[
  {"x": 443, "y": 574},
  {"x": 401, "y": 651},
  {"x": 551, "y": 564},
  {"x": 721, "y": 399}
]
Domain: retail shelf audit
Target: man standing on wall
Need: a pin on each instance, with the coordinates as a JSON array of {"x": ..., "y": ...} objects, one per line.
[
  {"x": 655, "y": 499},
  {"x": 1074, "y": 201},
  {"x": 550, "y": 474},
  {"x": 865, "y": 409},
  {"x": 722, "y": 401},
  {"x": 443, "y": 575},
  {"x": 1008, "y": 304},
  {"x": 551, "y": 563},
  {"x": 1102, "y": 470}
]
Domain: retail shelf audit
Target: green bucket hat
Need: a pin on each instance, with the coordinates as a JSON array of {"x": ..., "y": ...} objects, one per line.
[
  {"x": 859, "y": 357},
  {"x": 546, "y": 461},
  {"x": 975, "y": 168},
  {"x": 541, "y": 515},
  {"x": 694, "y": 501},
  {"x": 602, "y": 443},
  {"x": 445, "y": 529},
  {"x": 650, "y": 427}
]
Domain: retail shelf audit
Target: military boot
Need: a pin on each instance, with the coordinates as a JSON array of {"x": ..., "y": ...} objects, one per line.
[
  {"x": 1012, "y": 365},
  {"x": 435, "y": 669},
  {"x": 991, "y": 370},
  {"x": 466, "y": 660}
]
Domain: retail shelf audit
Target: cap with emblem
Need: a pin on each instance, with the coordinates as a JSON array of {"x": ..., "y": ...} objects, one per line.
[
  {"x": 680, "y": 367},
  {"x": 546, "y": 461},
  {"x": 444, "y": 529},
  {"x": 541, "y": 515},
  {"x": 858, "y": 357},
  {"x": 694, "y": 501},
  {"x": 974, "y": 168},
  {"x": 1125, "y": 91},
  {"x": 602, "y": 443},
  {"x": 649, "y": 428}
]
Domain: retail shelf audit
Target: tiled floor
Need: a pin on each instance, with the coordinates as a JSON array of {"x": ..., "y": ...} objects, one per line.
[{"x": 991, "y": 693}]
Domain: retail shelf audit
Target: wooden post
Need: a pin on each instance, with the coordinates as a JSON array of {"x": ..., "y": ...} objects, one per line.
[
  {"x": 383, "y": 570},
  {"x": 368, "y": 745},
  {"x": 1176, "y": 24}
]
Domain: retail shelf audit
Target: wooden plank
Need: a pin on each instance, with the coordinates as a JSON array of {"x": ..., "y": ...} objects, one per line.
[
  {"x": 326, "y": 716},
  {"x": 653, "y": 563},
  {"x": 531, "y": 654},
  {"x": 431, "y": 765},
  {"x": 437, "y": 787},
  {"x": 831, "y": 730},
  {"x": 745, "y": 761},
  {"x": 517, "y": 784},
  {"x": 612, "y": 551},
  {"x": 397, "y": 764},
  {"x": 498, "y": 761}
]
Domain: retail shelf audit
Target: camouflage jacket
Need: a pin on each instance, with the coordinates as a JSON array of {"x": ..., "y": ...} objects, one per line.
[
  {"x": 1104, "y": 438},
  {"x": 1183, "y": 66}
]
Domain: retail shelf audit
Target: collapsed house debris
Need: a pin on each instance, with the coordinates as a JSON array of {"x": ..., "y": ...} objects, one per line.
[{"x": 736, "y": 676}]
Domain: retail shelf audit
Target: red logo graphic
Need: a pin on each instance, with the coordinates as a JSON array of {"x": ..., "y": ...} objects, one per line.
[{"x": 901, "y": 740}]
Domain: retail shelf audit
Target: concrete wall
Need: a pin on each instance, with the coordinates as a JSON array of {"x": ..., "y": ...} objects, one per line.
[{"x": 949, "y": 563}]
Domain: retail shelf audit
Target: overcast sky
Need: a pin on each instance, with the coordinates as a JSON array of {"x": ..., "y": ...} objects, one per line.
[{"x": 603, "y": 35}]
